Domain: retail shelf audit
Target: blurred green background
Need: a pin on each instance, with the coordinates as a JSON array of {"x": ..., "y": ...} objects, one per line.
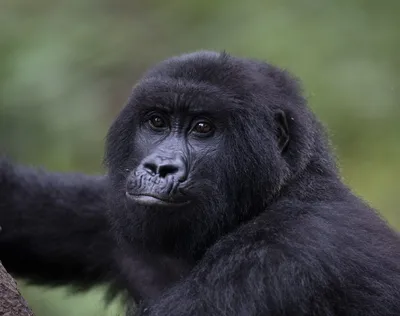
[{"x": 66, "y": 68}]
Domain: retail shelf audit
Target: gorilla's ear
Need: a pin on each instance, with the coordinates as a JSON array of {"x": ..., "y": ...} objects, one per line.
[{"x": 282, "y": 130}]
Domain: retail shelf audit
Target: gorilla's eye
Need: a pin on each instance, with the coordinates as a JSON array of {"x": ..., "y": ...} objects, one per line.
[
  {"x": 202, "y": 128},
  {"x": 157, "y": 122}
]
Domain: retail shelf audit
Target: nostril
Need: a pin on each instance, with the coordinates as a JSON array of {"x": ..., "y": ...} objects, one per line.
[
  {"x": 166, "y": 170},
  {"x": 164, "y": 167},
  {"x": 152, "y": 167}
]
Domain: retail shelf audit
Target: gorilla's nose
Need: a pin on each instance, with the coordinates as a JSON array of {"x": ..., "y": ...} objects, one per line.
[{"x": 165, "y": 167}]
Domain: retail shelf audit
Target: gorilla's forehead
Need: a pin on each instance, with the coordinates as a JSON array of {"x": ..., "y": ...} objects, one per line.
[{"x": 184, "y": 95}]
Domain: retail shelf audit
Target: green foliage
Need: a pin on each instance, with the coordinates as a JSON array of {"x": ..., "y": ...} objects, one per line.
[{"x": 67, "y": 67}]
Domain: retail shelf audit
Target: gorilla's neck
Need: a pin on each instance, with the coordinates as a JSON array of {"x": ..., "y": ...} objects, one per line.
[
  {"x": 181, "y": 232},
  {"x": 320, "y": 172}
]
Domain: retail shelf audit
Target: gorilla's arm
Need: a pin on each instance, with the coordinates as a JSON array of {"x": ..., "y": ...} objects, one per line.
[
  {"x": 53, "y": 226},
  {"x": 292, "y": 262},
  {"x": 54, "y": 231}
]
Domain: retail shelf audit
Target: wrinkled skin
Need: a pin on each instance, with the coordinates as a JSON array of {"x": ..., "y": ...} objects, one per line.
[{"x": 223, "y": 199}]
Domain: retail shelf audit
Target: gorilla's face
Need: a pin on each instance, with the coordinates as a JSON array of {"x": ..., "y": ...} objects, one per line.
[
  {"x": 194, "y": 152},
  {"x": 177, "y": 146}
]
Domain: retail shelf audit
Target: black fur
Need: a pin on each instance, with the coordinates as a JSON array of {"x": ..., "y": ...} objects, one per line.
[
  {"x": 54, "y": 226},
  {"x": 270, "y": 230}
]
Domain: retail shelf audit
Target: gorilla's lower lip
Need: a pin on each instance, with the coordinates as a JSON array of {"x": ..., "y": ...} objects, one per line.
[{"x": 154, "y": 200}]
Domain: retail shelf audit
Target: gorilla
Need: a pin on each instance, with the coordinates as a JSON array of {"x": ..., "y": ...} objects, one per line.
[{"x": 222, "y": 197}]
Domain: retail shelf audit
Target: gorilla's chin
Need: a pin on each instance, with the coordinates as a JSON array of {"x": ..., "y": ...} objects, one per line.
[{"x": 155, "y": 200}]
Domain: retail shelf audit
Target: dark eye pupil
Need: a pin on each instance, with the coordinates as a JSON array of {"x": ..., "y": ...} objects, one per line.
[
  {"x": 203, "y": 127},
  {"x": 157, "y": 121}
]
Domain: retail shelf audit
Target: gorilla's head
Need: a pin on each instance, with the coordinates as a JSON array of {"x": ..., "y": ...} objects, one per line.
[{"x": 205, "y": 142}]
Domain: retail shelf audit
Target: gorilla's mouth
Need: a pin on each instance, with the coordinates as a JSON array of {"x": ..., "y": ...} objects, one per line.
[{"x": 155, "y": 200}]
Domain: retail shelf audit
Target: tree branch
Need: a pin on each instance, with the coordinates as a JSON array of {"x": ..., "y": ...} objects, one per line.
[{"x": 11, "y": 301}]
